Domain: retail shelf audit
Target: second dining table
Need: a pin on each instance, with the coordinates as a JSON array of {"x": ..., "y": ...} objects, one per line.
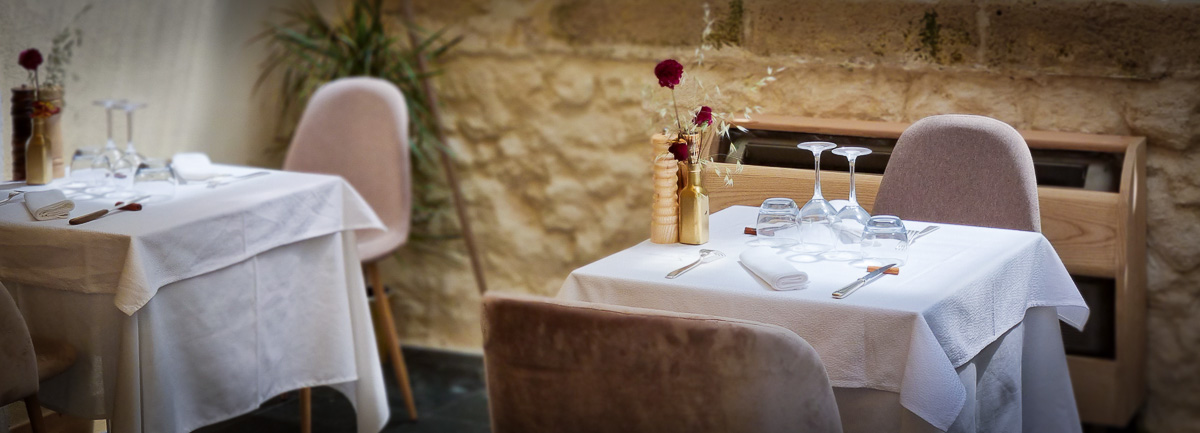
[
  {"x": 964, "y": 338},
  {"x": 201, "y": 307}
]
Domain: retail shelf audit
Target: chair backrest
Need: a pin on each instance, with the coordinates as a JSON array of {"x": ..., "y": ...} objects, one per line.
[
  {"x": 357, "y": 128},
  {"x": 961, "y": 169},
  {"x": 559, "y": 366},
  {"x": 18, "y": 363}
]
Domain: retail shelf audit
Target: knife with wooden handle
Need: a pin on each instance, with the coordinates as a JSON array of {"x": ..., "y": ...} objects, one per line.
[
  {"x": 102, "y": 212},
  {"x": 857, "y": 284}
]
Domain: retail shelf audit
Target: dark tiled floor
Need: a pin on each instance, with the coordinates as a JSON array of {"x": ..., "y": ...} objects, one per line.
[{"x": 447, "y": 386}]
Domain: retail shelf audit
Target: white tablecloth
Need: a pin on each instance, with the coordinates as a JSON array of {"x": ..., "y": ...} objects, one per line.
[
  {"x": 962, "y": 289},
  {"x": 199, "y": 309}
]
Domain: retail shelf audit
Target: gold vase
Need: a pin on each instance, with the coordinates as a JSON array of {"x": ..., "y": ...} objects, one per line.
[
  {"x": 38, "y": 170},
  {"x": 693, "y": 208}
]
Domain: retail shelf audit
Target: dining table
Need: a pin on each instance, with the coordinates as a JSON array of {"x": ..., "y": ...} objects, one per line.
[
  {"x": 203, "y": 305},
  {"x": 965, "y": 338}
]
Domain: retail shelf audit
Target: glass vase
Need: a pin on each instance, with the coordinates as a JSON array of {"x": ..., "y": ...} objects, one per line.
[{"x": 693, "y": 207}]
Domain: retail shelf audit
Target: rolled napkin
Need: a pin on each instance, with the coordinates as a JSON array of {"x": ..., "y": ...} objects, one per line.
[
  {"x": 193, "y": 166},
  {"x": 776, "y": 271},
  {"x": 48, "y": 205}
]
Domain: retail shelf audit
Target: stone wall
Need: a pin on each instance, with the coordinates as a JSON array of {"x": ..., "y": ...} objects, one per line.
[{"x": 545, "y": 103}]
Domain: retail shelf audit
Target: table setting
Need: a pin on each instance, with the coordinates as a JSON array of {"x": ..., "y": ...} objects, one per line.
[{"x": 922, "y": 326}]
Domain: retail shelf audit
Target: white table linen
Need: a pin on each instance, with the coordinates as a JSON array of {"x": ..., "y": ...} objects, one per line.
[
  {"x": 234, "y": 295},
  {"x": 132, "y": 254},
  {"x": 961, "y": 290}
]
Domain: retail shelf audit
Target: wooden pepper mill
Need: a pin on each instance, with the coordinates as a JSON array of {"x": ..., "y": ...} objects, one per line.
[
  {"x": 664, "y": 222},
  {"x": 22, "y": 129}
]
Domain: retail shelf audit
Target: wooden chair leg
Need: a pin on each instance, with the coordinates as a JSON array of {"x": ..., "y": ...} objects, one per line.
[
  {"x": 34, "y": 409},
  {"x": 384, "y": 310},
  {"x": 305, "y": 410}
]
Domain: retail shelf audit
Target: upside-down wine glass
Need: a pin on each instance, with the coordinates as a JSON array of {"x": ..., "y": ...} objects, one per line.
[
  {"x": 110, "y": 153},
  {"x": 817, "y": 217},
  {"x": 126, "y": 166},
  {"x": 852, "y": 218}
]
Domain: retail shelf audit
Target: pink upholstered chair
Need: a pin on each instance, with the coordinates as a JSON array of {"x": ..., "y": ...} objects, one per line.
[
  {"x": 961, "y": 169},
  {"x": 357, "y": 128},
  {"x": 23, "y": 365},
  {"x": 559, "y": 366}
]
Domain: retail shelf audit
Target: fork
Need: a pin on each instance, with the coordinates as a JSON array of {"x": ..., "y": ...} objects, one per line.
[{"x": 11, "y": 195}]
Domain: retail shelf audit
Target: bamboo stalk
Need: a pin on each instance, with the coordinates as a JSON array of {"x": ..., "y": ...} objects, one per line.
[{"x": 447, "y": 162}]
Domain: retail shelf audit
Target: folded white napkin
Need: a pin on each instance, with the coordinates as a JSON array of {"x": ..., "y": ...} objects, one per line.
[
  {"x": 193, "y": 166},
  {"x": 48, "y": 205},
  {"x": 776, "y": 271}
]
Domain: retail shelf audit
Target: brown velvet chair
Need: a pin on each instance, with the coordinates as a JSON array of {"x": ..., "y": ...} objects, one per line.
[
  {"x": 961, "y": 169},
  {"x": 24, "y": 364},
  {"x": 357, "y": 128},
  {"x": 559, "y": 366}
]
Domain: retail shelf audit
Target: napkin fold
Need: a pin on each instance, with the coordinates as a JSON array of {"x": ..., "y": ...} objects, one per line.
[
  {"x": 193, "y": 166},
  {"x": 48, "y": 205},
  {"x": 776, "y": 271}
]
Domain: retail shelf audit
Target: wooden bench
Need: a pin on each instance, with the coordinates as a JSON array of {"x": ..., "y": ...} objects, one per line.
[{"x": 1096, "y": 233}]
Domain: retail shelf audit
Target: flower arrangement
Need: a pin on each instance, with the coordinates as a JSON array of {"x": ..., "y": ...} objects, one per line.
[
  {"x": 692, "y": 140},
  {"x": 31, "y": 59}
]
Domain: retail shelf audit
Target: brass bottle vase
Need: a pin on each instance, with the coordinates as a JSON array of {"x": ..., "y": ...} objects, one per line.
[
  {"x": 38, "y": 168},
  {"x": 693, "y": 207}
]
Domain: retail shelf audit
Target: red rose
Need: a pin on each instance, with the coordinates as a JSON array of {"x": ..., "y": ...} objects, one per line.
[
  {"x": 680, "y": 150},
  {"x": 704, "y": 116},
  {"x": 30, "y": 59},
  {"x": 668, "y": 72}
]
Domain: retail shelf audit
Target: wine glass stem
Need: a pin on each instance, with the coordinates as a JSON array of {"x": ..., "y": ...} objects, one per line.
[
  {"x": 129, "y": 128},
  {"x": 108, "y": 116},
  {"x": 853, "y": 192},
  {"x": 817, "y": 175}
]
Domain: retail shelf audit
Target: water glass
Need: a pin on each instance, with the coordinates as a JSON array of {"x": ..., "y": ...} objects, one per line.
[
  {"x": 155, "y": 178},
  {"x": 884, "y": 241},
  {"x": 777, "y": 223},
  {"x": 89, "y": 168}
]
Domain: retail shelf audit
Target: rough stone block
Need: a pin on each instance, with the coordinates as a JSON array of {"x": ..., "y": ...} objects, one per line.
[
  {"x": 888, "y": 32},
  {"x": 665, "y": 22},
  {"x": 1095, "y": 38}
]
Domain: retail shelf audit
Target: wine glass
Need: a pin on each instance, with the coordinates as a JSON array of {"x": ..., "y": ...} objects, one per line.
[
  {"x": 852, "y": 218},
  {"x": 110, "y": 152},
  {"x": 125, "y": 167},
  {"x": 155, "y": 178},
  {"x": 817, "y": 217}
]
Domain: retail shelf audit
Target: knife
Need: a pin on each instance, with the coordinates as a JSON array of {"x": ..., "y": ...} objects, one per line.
[
  {"x": 102, "y": 212},
  {"x": 867, "y": 279}
]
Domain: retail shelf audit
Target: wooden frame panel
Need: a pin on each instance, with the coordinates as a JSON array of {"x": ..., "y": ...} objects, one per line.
[{"x": 1097, "y": 234}]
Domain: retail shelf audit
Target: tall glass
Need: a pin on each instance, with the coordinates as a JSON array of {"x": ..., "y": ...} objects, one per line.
[
  {"x": 126, "y": 166},
  {"x": 852, "y": 218},
  {"x": 110, "y": 153},
  {"x": 817, "y": 217}
]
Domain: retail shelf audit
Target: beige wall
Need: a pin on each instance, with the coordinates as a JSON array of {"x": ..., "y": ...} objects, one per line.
[
  {"x": 188, "y": 59},
  {"x": 544, "y": 100}
]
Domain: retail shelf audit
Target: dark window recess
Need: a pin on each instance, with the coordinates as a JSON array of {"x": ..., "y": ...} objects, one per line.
[
  {"x": 1098, "y": 338},
  {"x": 1097, "y": 171}
]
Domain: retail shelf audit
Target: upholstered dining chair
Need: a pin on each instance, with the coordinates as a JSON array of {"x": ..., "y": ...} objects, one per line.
[
  {"x": 357, "y": 128},
  {"x": 563, "y": 366},
  {"x": 961, "y": 169},
  {"x": 24, "y": 364}
]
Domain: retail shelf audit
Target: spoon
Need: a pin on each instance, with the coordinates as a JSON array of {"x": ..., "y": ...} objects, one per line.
[{"x": 705, "y": 257}]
